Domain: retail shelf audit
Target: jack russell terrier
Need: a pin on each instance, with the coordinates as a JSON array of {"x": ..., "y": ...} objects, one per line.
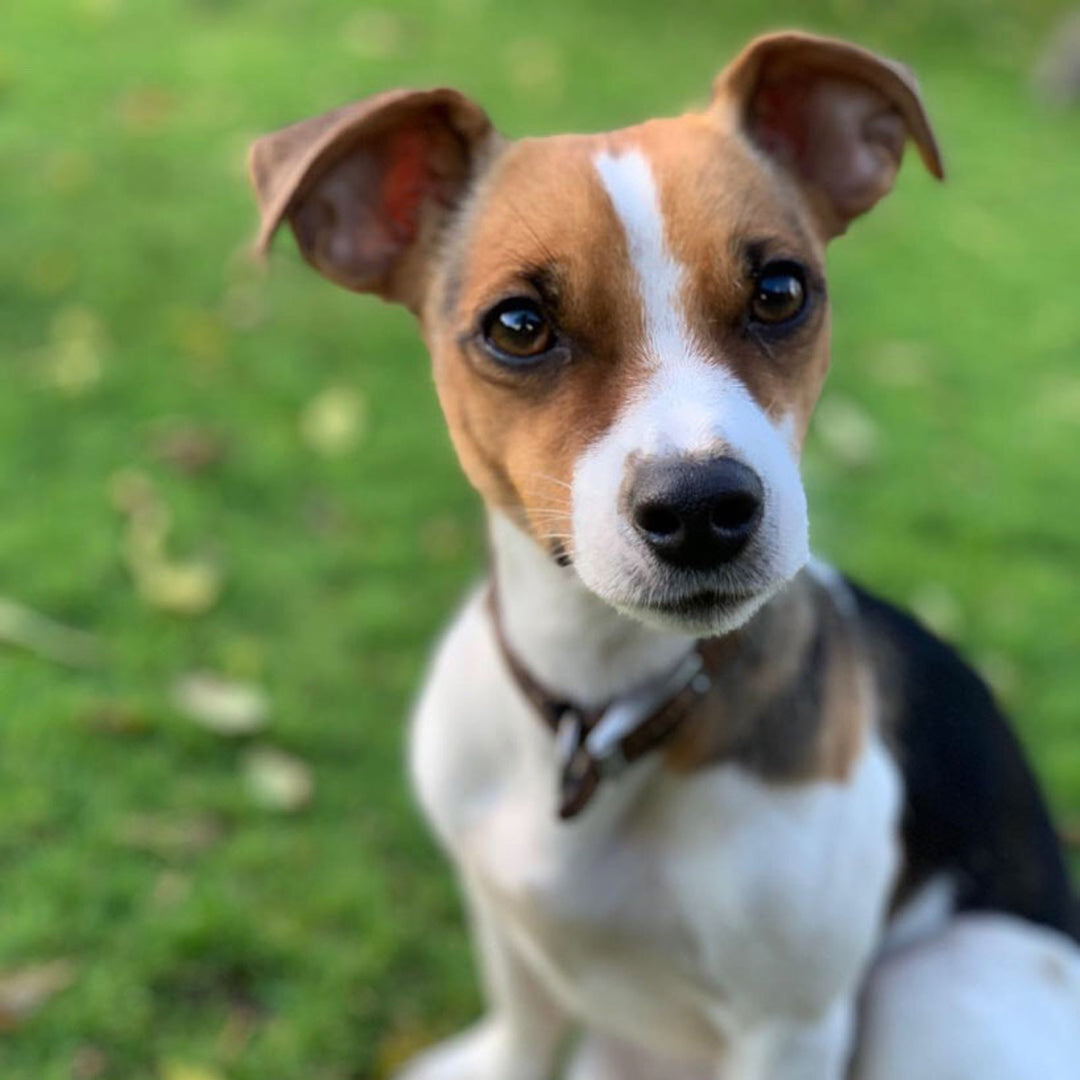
[{"x": 712, "y": 806}]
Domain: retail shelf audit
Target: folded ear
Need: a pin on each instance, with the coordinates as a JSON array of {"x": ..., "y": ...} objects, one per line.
[
  {"x": 367, "y": 187},
  {"x": 834, "y": 116}
]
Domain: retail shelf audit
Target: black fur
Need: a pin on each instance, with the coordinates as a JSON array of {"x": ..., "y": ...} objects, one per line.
[{"x": 973, "y": 805}]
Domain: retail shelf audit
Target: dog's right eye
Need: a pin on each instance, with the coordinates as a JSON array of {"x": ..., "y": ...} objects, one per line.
[
  {"x": 517, "y": 331},
  {"x": 780, "y": 294}
]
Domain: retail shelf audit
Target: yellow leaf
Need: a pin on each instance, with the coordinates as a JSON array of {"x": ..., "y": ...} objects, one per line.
[
  {"x": 331, "y": 423},
  {"x": 278, "y": 781},
  {"x": 182, "y": 588},
  {"x": 225, "y": 706}
]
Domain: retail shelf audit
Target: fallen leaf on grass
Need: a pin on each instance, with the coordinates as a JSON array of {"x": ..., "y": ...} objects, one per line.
[
  {"x": 224, "y": 706},
  {"x": 278, "y": 781},
  {"x": 116, "y": 718},
  {"x": 170, "y": 837},
  {"x": 24, "y": 991},
  {"x": 27, "y": 629},
  {"x": 188, "y": 448},
  {"x": 331, "y": 422},
  {"x": 182, "y": 587}
]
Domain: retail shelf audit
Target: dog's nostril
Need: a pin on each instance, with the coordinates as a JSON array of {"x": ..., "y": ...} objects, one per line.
[
  {"x": 660, "y": 522},
  {"x": 734, "y": 512}
]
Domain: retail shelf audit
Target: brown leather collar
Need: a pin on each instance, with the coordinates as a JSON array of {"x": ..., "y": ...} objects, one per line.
[{"x": 598, "y": 744}]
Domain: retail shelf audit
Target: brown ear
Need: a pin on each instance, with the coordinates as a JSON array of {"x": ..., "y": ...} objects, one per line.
[
  {"x": 834, "y": 116},
  {"x": 366, "y": 188}
]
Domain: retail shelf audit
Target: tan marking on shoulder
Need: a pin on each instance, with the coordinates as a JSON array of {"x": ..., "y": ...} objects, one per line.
[{"x": 792, "y": 696}]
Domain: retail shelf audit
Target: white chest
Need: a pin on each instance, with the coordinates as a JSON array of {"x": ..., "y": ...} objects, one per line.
[{"x": 682, "y": 905}]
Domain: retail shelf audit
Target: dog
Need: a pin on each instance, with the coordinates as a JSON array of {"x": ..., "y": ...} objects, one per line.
[{"x": 711, "y": 804}]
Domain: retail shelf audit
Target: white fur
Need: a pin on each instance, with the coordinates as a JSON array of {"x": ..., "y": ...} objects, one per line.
[
  {"x": 989, "y": 998},
  {"x": 924, "y": 915},
  {"x": 659, "y": 915},
  {"x": 545, "y": 608},
  {"x": 826, "y": 575},
  {"x": 690, "y": 405},
  {"x": 629, "y": 183}
]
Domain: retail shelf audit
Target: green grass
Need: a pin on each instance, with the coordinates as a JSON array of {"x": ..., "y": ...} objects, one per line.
[{"x": 324, "y": 944}]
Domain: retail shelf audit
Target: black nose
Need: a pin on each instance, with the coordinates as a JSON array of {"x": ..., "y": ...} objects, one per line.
[{"x": 696, "y": 514}]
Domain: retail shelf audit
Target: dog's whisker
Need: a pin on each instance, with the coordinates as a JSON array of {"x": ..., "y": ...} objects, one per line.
[{"x": 551, "y": 480}]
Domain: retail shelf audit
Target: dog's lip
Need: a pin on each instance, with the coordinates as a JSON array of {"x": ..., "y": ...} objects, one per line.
[{"x": 696, "y": 604}]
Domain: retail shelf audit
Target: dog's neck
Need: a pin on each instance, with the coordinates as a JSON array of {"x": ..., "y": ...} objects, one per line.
[{"x": 573, "y": 643}]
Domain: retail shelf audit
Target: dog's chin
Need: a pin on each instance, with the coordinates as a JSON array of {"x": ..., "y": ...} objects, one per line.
[
  {"x": 698, "y": 612},
  {"x": 707, "y": 613}
]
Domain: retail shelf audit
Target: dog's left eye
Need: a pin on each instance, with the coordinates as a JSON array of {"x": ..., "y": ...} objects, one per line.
[
  {"x": 517, "y": 330},
  {"x": 779, "y": 293}
]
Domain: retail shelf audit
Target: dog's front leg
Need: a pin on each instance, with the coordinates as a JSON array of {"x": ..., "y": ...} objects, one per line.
[{"x": 522, "y": 1034}]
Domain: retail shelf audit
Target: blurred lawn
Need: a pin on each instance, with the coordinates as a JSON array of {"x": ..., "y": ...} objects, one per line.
[{"x": 206, "y": 932}]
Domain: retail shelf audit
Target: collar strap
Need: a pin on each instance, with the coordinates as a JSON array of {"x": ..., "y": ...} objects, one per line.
[{"x": 594, "y": 745}]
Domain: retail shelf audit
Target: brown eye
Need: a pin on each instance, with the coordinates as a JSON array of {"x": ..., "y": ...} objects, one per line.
[
  {"x": 517, "y": 331},
  {"x": 779, "y": 293}
]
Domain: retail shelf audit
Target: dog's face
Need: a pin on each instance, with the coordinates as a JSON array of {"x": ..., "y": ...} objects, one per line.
[{"x": 629, "y": 330}]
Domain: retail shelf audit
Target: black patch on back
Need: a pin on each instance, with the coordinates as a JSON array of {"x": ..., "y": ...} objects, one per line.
[{"x": 973, "y": 806}]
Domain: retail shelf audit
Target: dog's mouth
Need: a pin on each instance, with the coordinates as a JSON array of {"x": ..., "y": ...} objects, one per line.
[
  {"x": 705, "y": 612},
  {"x": 698, "y": 605}
]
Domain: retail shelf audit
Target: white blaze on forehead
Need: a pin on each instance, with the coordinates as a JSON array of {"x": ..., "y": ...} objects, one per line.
[
  {"x": 689, "y": 404},
  {"x": 630, "y": 186}
]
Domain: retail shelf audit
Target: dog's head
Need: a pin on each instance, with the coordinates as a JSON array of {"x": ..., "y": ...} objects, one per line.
[{"x": 629, "y": 330}]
